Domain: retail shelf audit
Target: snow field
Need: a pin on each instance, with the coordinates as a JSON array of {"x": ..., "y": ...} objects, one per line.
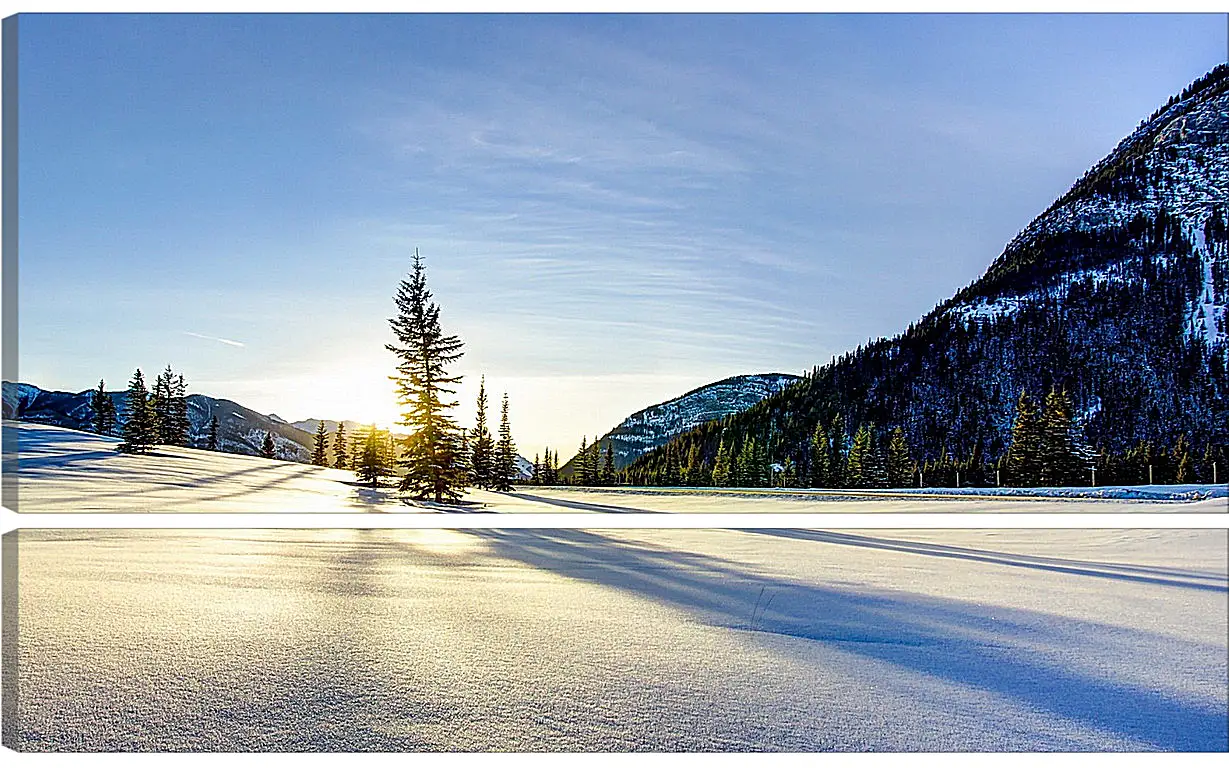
[{"x": 556, "y": 640}]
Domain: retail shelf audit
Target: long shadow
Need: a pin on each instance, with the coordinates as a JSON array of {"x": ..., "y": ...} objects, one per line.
[
  {"x": 201, "y": 484},
  {"x": 585, "y": 506},
  {"x": 988, "y": 647},
  {"x": 1167, "y": 577},
  {"x": 26, "y": 462}
]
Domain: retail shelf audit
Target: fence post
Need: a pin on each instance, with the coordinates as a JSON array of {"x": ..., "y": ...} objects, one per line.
[{"x": 1150, "y": 475}]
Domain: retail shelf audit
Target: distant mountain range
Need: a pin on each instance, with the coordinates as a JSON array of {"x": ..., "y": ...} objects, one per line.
[
  {"x": 656, "y": 425},
  {"x": 240, "y": 430},
  {"x": 1117, "y": 293}
]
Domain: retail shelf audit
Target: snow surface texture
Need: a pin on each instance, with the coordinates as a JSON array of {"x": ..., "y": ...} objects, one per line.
[
  {"x": 574, "y": 640},
  {"x": 62, "y": 470}
]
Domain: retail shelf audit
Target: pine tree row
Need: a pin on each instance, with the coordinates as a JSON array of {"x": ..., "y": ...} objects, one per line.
[{"x": 151, "y": 417}]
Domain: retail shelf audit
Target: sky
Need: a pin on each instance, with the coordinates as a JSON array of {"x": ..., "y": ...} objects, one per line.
[{"x": 613, "y": 209}]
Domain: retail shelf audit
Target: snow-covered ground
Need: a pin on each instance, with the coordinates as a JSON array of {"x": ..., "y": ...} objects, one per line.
[
  {"x": 62, "y": 470},
  {"x": 621, "y": 640}
]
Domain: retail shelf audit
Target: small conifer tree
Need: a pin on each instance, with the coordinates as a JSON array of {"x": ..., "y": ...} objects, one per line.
[
  {"x": 608, "y": 465},
  {"x": 104, "y": 410},
  {"x": 268, "y": 448},
  {"x": 482, "y": 461},
  {"x": 341, "y": 448},
  {"x": 140, "y": 430},
  {"x": 821, "y": 458},
  {"x": 505, "y": 452},
  {"x": 721, "y": 465},
  {"x": 321, "y": 447},
  {"x": 900, "y": 464},
  {"x": 1024, "y": 453},
  {"x": 212, "y": 439},
  {"x": 372, "y": 463}
]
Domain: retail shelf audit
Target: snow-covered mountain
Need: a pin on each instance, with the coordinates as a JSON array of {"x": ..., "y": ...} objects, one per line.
[
  {"x": 653, "y": 426},
  {"x": 240, "y": 430},
  {"x": 1117, "y": 292}
]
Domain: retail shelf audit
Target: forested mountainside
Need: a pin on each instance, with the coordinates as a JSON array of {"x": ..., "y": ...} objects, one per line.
[{"x": 1116, "y": 293}]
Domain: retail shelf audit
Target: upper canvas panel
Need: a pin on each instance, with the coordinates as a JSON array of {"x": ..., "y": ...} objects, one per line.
[{"x": 445, "y": 257}]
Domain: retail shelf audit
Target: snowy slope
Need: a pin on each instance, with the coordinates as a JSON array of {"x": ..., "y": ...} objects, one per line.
[
  {"x": 653, "y": 426},
  {"x": 574, "y": 640},
  {"x": 61, "y": 470}
]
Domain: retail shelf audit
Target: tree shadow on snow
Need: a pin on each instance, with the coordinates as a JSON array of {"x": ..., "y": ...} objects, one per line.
[
  {"x": 1168, "y": 577},
  {"x": 1010, "y": 652}
]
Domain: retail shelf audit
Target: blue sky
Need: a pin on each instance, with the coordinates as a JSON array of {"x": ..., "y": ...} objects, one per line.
[{"x": 613, "y": 209}]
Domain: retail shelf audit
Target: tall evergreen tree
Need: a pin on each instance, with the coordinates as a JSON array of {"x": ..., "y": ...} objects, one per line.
[
  {"x": 674, "y": 471},
  {"x": 580, "y": 471},
  {"x": 160, "y": 406},
  {"x": 140, "y": 429},
  {"x": 341, "y": 449},
  {"x": 104, "y": 410},
  {"x": 722, "y": 468},
  {"x": 1024, "y": 453},
  {"x": 482, "y": 461},
  {"x": 321, "y": 448},
  {"x": 211, "y": 441},
  {"x": 900, "y": 463},
  {"x": 547, "y": 475},
  {"x": 1062, "y": 462},
  {"x": 608, "y": 466},
  {"x": 821, "y": 458},
  {"x": 505, "y": 452},
  {"x": 432, "y": 460},
  {"x": 268, "y": 448},
  {"x": 838, "y": 456},
  {"x": 178, "y": 425},
  {"x": 859, "y": 456}
]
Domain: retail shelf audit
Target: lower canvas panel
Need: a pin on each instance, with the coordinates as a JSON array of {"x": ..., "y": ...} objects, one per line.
[{"x": 615, "y": 640}]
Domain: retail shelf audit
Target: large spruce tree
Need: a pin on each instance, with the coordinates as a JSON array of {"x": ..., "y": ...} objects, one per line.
[
  {"x": 140, "y": 430},
  {"x": 482, "y": 453},
  {"x": 433, "y": 463}
]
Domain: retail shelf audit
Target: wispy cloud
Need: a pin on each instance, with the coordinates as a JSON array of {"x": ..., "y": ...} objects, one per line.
[{"x": 215, "y": 338}]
